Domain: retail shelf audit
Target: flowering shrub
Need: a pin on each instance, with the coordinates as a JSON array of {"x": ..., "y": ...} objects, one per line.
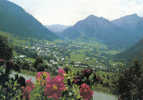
[
  {"x": 41, "y": 77},
  {"x": 86, "y": 92},
  {"x": 87, "y": 72},
  {"x": 27, "y": 89},
  {"x": 77, "y": 80},
  {"x": 55, "y": 87},
  {"x": 59, "y": 87},
  {"x": 61, "y": 72},
  {"x": 87, "y": 76}
]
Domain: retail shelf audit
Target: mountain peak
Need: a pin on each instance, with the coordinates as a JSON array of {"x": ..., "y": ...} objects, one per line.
[
  {"x": 92, "y": 16},
  {"x": 132, "y": 19},
  {"x": 133, "y": 16}
]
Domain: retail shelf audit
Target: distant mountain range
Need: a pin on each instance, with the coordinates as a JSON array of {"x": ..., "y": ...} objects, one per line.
[
  {"x": 122, "y": 32},
  {"x": 15, "y": 20},
  {"x": 57, "y": 28},
  {"x": 132, "y": 24}
]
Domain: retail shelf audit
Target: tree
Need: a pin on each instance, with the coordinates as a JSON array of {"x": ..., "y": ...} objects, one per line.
[
  {"x": 5, "y": 49},
  {"x": 130, "y": 83},
  {"x": 38, "y": 64}
]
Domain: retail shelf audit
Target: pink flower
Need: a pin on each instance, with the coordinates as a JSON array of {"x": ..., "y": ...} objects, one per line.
[
  {"x": 55, "y": 87},
  {"x": 29, "y": 83},
  {"x": 61, "y": 72},
  {"x": 85, "y": 92},
  {"x": 27, "y": 89},
  {"x": 59, "y": 78}
]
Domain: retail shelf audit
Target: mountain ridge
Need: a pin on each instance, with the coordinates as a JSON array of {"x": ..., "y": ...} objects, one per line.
[{"x": 104, "y": 30}]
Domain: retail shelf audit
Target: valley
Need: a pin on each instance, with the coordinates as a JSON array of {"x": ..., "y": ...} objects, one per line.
[{"x": 95, "y": 58}]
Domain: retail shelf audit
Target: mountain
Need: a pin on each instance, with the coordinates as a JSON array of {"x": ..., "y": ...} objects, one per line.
[
  {"x": 130, "y": 21},
  {"x": 132, "y": 24},
  {"x": 57, "y": 28},
  {"x": 98, "y": 28},
  {"x": 120, "y": 33},
  {"x": 133, "y": 53},
  {"x": 15, "y": 20}
]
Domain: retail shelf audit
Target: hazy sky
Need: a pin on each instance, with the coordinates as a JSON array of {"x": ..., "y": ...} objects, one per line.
[{"x": 68, "y": 12}]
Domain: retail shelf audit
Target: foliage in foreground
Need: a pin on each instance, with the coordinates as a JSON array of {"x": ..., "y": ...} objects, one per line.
[
  {"x": 130, "y": 83},
  {"x": 63, "y": 86}
]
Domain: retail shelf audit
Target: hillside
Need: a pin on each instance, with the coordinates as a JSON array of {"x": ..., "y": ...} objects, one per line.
[
  {"x": 15, "y": 20},
  {"x": 133, "y": 53}
]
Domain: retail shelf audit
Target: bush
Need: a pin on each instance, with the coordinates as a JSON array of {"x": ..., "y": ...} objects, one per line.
[
  {"x": 129, "y": 85},
  {"x": 5, "y": 49},
  {"x": 56, "y": 88}
]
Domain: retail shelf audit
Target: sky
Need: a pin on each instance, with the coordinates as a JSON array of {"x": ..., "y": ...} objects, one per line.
[{"x": 68, "y": 12}]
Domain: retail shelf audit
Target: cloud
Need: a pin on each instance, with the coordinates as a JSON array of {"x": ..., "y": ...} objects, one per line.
[{"x": 70, "y": 11}]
